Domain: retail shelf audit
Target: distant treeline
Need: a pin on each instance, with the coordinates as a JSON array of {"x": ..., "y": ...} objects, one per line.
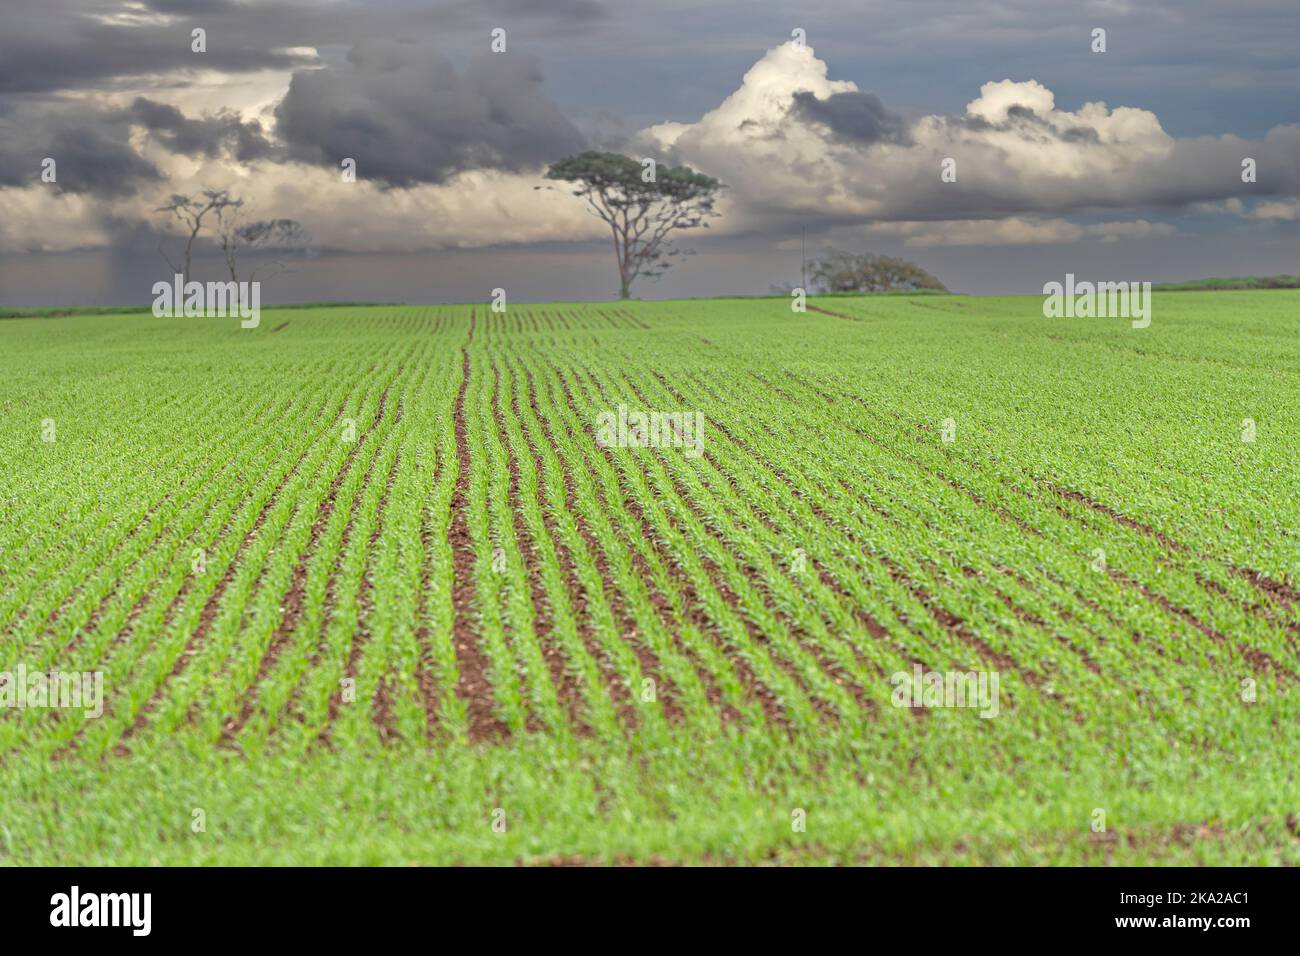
[
  {"x": 56, "y": 312},
  {"x": 1241, "y": 282}
]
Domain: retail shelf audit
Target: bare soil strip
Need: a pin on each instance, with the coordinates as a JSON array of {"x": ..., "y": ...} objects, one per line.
[
  {"x": 331, "y": 582},
  {"x": 472, "y": 686},
  {"x": 766, "y": 696},
  {"x": 666, "y": 692},
  {"x": 79, "y": 636},
  {"x": 382, "y": 704},
  {"x": 212, "y": 605},
  {"x": 1255, "y": 656},
  {"x": 423, "y": 636},
  {"x": 874, "y": 627},
  {"x": 1278, "y": 591},
  {"x": 1259, "y": 657},
  {"x": 836, "y": 674},
  {"x": 294, "y": 598},
  {"x": 568, "y": 688},
  {"x": 57, "y": 613},
  {"x": 633, "y": 319},
  {"x": 838, "y": 315},
  {"x": 693, "y": 606},
  {"x": 1146, "y": 529},
  {"x": 537, "y": 593},
  {"x": 951, "y": 622},
  {"x": 169, "y": 612}
]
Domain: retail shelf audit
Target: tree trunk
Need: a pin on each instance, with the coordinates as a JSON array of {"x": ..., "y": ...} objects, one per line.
[
  {"x": 622, "y": 292},
  {"x": 189, "y": 252}
]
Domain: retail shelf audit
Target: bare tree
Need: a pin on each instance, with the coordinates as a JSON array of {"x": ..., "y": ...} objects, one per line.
[
  {"x": 240, "y": 239},
  {"x": 190, "y": 211}
]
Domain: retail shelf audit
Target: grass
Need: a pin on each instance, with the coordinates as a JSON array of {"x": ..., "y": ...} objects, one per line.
[
  {"x": 1240, "y": 282},
  {"x": 360, "y": 582},
  {"x": 59, "y": 312}
]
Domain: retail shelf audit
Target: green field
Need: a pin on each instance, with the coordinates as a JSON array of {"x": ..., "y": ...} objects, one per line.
[{"x": 365, "y": 588}]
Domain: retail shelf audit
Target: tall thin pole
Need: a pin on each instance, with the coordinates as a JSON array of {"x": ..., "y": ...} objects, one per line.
[{"x": 803, "y": 259}]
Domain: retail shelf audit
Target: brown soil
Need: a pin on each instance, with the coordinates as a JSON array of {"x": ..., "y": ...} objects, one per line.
[
  {"x": 424, "y": 673},
  {"x": 694, "y": 608},
  {"x": 838, "y": 315},
  {"x": 665, "y": 693},
  {"x": 293, "y": 601},
  {"x": 211, "y": 607},
  {"x": 472, "y": 686},
  {"x": 528, "y": 551},
  {"x": 568, "y": 688},
  {"x": 767, "y": 696}
]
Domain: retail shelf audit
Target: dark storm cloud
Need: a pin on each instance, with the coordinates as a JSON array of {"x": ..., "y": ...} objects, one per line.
[
  {"x": 1028, "y": 123},
  {"x": 60, "y": 46},
  {"x": 548, "y": 9},
  {"x": 92, "y": 162},
  {"x": 189, "y": 7},
  {"x": 405, "y": 115},
  {"x": 208, "y": 136},
  {"x": 859, "y": 117},
  {"x": 91, "y": 152},
  {"x": 551, "y": 9},
  {"x": 91, "y": 44}
]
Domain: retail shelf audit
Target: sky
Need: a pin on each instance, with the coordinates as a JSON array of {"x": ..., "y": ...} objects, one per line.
[{"x": 829, "y": 124}]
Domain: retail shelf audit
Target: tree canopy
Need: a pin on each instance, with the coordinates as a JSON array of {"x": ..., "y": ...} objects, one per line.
[
  {"x": 642, "y": 203},
  {"x": 837, "y": 271}
]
